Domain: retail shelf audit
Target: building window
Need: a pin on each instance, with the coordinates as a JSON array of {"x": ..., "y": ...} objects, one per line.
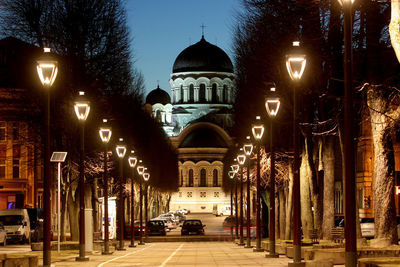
[
  {"x": 203, "y": 178},
  {"x": 189, "y": 194},
  {"x": 190, "y": 178},
  {"x": 2, "y": 131},
  {"x": 2, "y": 168},
  {"x": 181, "y": 100},
  {"x": 15, "y": 131},
  {"x": 202, "y": 93},
  {"x": 191, "y": 93},
  {"x": 16, "y": 156},
  {"x": 214, "y": 98},
  {"x": 216, "y": 194},
  {"x": 225, "y": 94},
  {"x": 215, "y": 177},
  {"x": 181, "y": 178},
  {"x": 203, "y": 194}
]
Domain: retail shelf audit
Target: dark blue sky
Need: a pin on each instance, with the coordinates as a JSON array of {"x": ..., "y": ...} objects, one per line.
[{"x": 161, "y": 29}]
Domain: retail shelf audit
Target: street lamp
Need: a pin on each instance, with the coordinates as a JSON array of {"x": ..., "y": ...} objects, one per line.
[
  {"x": 348, "y": 142},
  {"x": 82, "y": 108},
  {"x": 105, "y": 133},
  {"x": 248, "y": 149},
  {"x": 140, "y": 169},
  {"x": 146, "y": 177},
  {"x": 47, "y": 68},
  {"x": 272, "y": 103},
  {"x": 235, "y": 168},
  {"x": 121, "y": 150},
  {"x": 132, "y": 160},
  {"x": 295, "y": 64},
  {"x": 231, "y": 175},
  {"x": 258, "y": 131},
  {"x": 241, "y": 158}
]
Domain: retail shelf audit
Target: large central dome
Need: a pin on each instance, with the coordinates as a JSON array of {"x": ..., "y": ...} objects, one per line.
[{"x": 203, "y": 56}]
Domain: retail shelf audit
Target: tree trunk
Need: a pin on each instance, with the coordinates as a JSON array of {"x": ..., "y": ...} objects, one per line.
[
  {"x": 73, "y": 212},
  {"x": 282, "y": 213},
  {"x": 317, "y": 184},
  {"x": 383, "y": 181},
  {"x": 289, "y": 205},
  {"x": 63, "y": 219},
  {"x": 328, "y": 161},
  {"x": 95, "y": 202},
  {"x": 305, "y": 194}
]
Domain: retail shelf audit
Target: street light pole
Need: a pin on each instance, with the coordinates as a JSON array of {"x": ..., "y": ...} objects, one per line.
[
  {"x": 258, "y": 131},
  {"x": 47, "y": 68},
  {"x": 132, "y": 160},
  {"x": 231, "y": 175},
  {"x": 235, "y": 168},
  {"x": 248, "y": 149},
  {"x": 295, "y": 64},
  {"x": 241, "y": 159},
  {"x": 82, "y": 109},
  {"x": 348, "y": 143},
  {"x": 121, "y": 150},
  {"x": 140, "y": 170},
  {"x": 146, "y": 177},
  {"x": 272, "y": 104},
  {"x": 105, "y": 135}
]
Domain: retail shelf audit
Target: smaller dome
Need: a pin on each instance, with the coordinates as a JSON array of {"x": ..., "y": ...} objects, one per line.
[{"x": 158, "y": 96}]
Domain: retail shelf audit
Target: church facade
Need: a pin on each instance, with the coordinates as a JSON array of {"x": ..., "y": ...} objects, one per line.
[{"x": 197, "y": 121}]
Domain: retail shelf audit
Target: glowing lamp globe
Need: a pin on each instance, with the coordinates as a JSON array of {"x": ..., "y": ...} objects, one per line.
[
  {"x": 140, "y": 169},
  {"x": 146, "y": 176},
  {"x": 344, "y": 2},
  {"x": 241, "y": 159},
  {"x": 272, "y": 104},
  {"x": 82, "y": 107},
  {"x": 296, "y": 62},
  {"x": 120, "y": 148},
  {"x": 47, "y": 68},
  {"x": 248, "y": 146},
  {"x": 235, "y": 167},
  {"x": 132, "y": 160},
  {"x": 105, "y": 132},
  {"x": 231, "y": 174},
  {"x": 258, "y": 129}
]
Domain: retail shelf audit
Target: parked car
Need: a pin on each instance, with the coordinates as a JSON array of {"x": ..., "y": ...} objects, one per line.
[
  {"x": 192, "y": 227},
  {"x": 183, "y": 211},
  {"x": 3, "y": 235},
  {"x": 156, "y": 227},
  {"x": 367, "y": 227},
  {"x": 136, "y": 229},
  {"x": 16, "y": 223},
  {"x": 36, "y": 220},
  {"x": 167, "y": 215}
]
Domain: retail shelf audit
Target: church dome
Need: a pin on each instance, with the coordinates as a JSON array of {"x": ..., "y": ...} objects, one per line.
[
  {"x": 158, "y": 96},
  {"x": 203, "y": 56}
]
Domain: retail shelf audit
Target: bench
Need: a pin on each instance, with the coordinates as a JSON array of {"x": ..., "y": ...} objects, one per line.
[
  {"x": 337, "y": 234},
  {"x": 314, "y": 236}
]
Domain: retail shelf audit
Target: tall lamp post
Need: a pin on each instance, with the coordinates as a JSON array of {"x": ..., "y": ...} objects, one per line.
[
  {"x": 105, "y": 133},
  {"x": 272, "y": 103},
  {"x": 47, "y": 68},
  {"x": 140, "y": 170},
  {"x": 82, "y": 108},
  {"x": 235, "y": 168},
  {"x": 258, "y": 132},
  {"x": 248, "y": 149},
  {"x": 121, "y": 150},
  {"x": 241, "y": 158},
  {"x": 231, "y": 175},
  {"x": 296, "y": 64},
  {"x": 146, "y": 177},
  {"x": 348, "y": 143},
  {"x": 132, "y": 160}
]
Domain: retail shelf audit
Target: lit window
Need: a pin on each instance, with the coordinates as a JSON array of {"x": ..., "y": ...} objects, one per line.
[
  {"x": 203, "y": 178},
  {"x": 190, "y": 178},
  {"x": 215, "y": 177}
]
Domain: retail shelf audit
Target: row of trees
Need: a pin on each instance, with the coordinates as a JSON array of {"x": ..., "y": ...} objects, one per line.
[
  {"x": 262, "y": 37},
  {"x": 93, "y": 45}
]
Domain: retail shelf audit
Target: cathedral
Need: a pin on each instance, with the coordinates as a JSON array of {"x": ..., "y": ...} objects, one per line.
[{"x": 196, "y": 121}]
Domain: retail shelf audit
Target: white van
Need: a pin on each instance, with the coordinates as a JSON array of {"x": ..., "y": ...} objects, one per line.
[
  {"x": 219, "y": 209},
  {"x": 16, "y": 223}
]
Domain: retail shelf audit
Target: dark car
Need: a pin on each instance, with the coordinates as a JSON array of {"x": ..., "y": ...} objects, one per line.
[
  {"x": 136, "y": 229},
  {"x": 36, "y": 222},
  {"x": 192, "y": 227},
  {"x": 156, "y": 227}
]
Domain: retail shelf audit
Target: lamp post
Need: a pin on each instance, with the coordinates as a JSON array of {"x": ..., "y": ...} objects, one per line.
[
  {"x": 231, "y": 175},
  {"x": 348, "y": 143},
  {"x": 295, "y": 64},
  {"x": 140, "y": 170},
  {"x": 241, "y": 158},
  {"x": 132, "y": 160},
  {"x": 82, "y": 108},
  {"x": 105, "y": 133},
  {"x": 47, "y": 68},
  {"x": 146, "y": 177},
  {"x": 121, "y": 150},
  {"x": 248, "y": 149},
  {"x": 272, "y": 103},
  {"x": 235, "y": 168},
  {"x": 258, "y": 131}
]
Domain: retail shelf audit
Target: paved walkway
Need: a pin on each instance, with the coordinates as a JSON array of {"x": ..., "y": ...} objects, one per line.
[{"x": 178, "y": 254}]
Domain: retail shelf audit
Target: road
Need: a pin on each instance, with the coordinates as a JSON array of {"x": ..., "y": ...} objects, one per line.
[{"x": 213, "y": 224}]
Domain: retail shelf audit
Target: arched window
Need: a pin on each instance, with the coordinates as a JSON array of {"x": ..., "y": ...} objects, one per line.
[
  {"x": 190, "y": 178},
  {"x": 215, "y": 177},
  {"x": 158, "y": 115},
  {"x": 203, "y": 178},
  {"x": 191, "y": 93},
  {"x": 214, "y": 98},
  {"x": 181, "y": 178},
  {"x": 202, "y": 93},
  {"x": 181, "y": 100},
  {"x": 225, "y": 94}
]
